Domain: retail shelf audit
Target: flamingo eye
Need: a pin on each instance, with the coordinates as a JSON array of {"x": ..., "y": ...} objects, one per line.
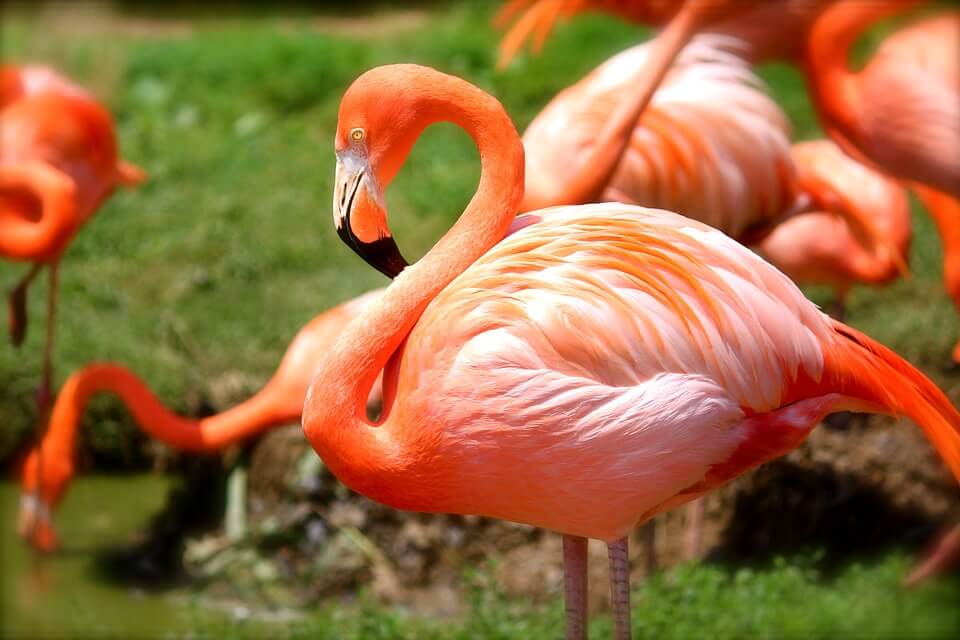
[{"x": 357, "y": 134}]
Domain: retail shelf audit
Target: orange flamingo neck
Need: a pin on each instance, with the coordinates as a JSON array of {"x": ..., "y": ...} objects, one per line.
[
  {"x": 833, "y": 86},
  {"x": 334, "y": 416},
  {"x": 205, "y": 434}
]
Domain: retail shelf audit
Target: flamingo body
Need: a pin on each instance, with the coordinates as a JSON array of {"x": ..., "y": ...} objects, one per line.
[{"x": 711, "y": 144}]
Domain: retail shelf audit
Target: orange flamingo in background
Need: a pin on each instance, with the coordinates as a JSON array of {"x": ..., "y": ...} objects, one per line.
[
  {"x": 901, "y": 112},
  {"x": 279, "y": 402},
  {"x": 580, "y": 369},
  {"x": 711, "y": 145},
  {"x": 58, "y": 162},
  {"x": 818, "y": 247}
]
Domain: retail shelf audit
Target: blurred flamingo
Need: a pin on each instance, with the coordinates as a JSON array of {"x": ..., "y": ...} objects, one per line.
[
  {"x": 711, "y": 145},
  {"x": 818, "y": 247},
  {"x": 279, "y": 402},
  {"x": 580, "y": 369},
  {"x": 58, "y": 162},
  {"x": 901, "y": 112}
]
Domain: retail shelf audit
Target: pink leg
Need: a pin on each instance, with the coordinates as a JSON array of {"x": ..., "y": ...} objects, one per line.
[
  {"x": 945, "y": 555},
  {"x": 17, "y": 306},
  {"x": 620, "y": 588},
  {"x": 575, "y": 586},
  {"x": 695, "y": 513},
  {"x": 44, "y": 393}
]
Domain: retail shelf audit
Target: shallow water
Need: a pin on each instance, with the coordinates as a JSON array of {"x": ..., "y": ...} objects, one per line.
[{"x": 62, "y": 595}]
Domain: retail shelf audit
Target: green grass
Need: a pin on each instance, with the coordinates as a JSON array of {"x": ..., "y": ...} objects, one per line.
[{"x": 787, "y": 600}]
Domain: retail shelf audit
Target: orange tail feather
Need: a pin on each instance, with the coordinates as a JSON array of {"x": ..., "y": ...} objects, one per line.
[{"x": 862, "y": 368}]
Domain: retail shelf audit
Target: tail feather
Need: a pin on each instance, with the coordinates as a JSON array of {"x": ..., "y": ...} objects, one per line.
[{"x": 862, "y": 368}]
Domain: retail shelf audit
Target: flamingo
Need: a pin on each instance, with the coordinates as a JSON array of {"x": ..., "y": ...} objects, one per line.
[
  {"x": 901, "y": 112},
  {"x": 819, "y": 247},
  {"x": 581, "y": 368},
  {"x": 711, "y": 144},
  {"x": 58, "y": 162},
  {"x": 278, "y": 402}
]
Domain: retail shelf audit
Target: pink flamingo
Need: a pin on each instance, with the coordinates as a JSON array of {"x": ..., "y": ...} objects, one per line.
[
  {"x": 579, "y": 369},
  {"x": 58, "y": 162},
  {"x": 818, "y": 247},
  {"x": 279, "y": 402}
]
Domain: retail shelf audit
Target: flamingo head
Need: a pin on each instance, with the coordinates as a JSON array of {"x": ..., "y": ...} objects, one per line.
[
  {"x": 43, "y": 485},
  {"x": 381, "y": 115}
]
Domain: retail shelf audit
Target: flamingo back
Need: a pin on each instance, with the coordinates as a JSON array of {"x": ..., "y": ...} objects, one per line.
[{"x": 712, "y": 144}]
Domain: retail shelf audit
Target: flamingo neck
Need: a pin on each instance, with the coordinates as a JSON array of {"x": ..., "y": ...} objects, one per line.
[
  {"x": 185, "y": 434},
  {"x": 834, "y": 88},
  {"x": 597, "y": 168},
  {"x": 334, "y": 418}
]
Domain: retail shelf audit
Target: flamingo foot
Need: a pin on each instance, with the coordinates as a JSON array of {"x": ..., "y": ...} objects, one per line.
[
  {"x": 944, "y": 557},
  {"x": 620, "y": 588},
  {"x": 575, "y": 586},
  {"x": 17, "y": 314}
]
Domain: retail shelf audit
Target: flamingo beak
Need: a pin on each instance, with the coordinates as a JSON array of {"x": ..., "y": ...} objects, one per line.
[{"x": 360, "y": 215}]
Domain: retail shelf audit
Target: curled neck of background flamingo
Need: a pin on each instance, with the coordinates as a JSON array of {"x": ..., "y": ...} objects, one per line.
[
  {"x": 205, "y": 434},
  {"x": 596, "y": 169},
  {"x": 334, "y": 417},
  {"x": 834, "y": 88},
  {"x": 37, "y": 210}
]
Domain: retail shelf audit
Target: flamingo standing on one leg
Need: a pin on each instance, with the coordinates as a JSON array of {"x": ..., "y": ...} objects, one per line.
[
  {"x": 279, "y": 402},
  {"x": 818, "y": 247},
  {"x": 598, "y": 365},
  {"x": 58, "y": 162}
]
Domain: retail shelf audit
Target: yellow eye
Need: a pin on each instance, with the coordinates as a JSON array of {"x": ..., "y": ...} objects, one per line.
[{"x": 356, "y": 134}]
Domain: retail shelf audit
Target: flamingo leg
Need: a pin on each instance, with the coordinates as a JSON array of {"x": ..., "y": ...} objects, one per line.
[
  {"x": 648, "y": 537},
  {"x": 945, "y": 556},
  {"x": 17, "y": 306},
  {"x": 695, "y": 513},
  {"x": 620, "y": 588},
  {"x": 575, "y": 586},
  {"x": 44, "y": 393}
]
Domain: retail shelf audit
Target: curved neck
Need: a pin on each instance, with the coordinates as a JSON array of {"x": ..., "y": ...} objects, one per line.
[
  {"x": 833, "y": 86},
  {"x": 334, "y": 416},
  {"x": 597, "y": 167},
  {"x": 205, "y": 434},
  {"x": 23, "y": 187}
]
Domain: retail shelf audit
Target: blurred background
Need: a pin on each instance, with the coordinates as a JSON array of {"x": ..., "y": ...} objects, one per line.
[{"x": 198, "y": 279}]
